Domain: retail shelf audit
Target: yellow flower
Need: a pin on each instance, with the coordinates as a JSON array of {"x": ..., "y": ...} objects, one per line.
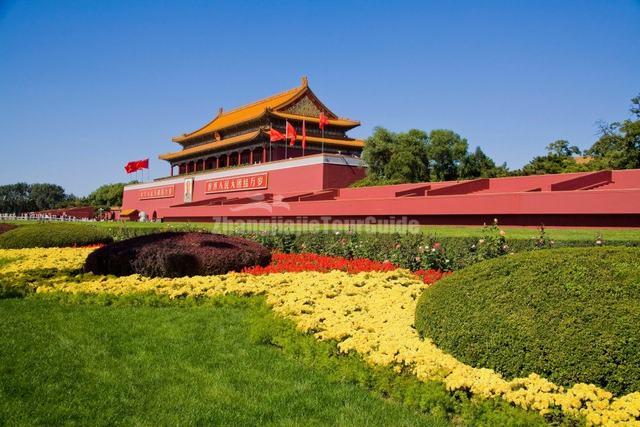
[{"x": 371, "y": 313}]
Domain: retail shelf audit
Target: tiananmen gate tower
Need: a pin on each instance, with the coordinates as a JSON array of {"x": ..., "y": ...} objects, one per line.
[
  {"x": 233, "y": 168},
  {"x": 241, "y": 136}
]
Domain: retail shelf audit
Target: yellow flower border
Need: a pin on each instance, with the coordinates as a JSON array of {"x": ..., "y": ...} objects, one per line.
[{"x": 371, "y": 313}]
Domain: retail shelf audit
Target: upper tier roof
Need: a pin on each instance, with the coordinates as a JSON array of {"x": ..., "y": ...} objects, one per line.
[{"x": 255, "y": 110}]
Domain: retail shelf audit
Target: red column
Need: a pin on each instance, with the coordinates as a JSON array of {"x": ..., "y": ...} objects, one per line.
[
  {"x": 171, "y": 170},
  {"x": 218, "y": 162},
  {"x": 264, "y": 154},
  {"x": 251, "y": 156},
  {"x": 204, "y": 164},
  {"x": 239, "y": 157},
  {"x": 228, "y": 159}
]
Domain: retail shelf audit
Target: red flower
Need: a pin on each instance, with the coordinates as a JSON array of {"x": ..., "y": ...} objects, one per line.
[{"x": 293, "y": 263}]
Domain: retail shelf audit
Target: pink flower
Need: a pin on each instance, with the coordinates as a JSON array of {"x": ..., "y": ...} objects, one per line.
[{"x": 437, "y": 246}]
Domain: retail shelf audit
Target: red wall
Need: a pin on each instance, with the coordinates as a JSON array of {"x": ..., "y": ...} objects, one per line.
[{"x": 317, "y": 191}]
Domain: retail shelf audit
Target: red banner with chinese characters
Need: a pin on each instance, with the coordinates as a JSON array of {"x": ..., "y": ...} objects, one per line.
[
  {"x": 157, "y": 192},
  {"x": 237, "y": 183}
]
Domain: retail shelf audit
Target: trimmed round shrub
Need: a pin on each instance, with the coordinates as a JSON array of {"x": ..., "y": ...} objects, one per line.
[
  {"x": 571, "y": 315},
  {"x": 49, "y": 235},
  {"x": 6, "y": 227},
  {"x": 177, "y": 254}
]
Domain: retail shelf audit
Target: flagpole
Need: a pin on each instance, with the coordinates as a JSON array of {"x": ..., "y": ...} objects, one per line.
[
  {"x": 322, "y": 133},
  {"x": 270, "y": 156},
  {"x": 286, "y": 135}
]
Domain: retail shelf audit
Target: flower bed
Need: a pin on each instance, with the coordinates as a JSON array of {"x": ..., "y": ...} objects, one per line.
[
  {"x": 292, "y": 263},
  {"x": 371, "y": 313},
  {"x": 295, "y": 263}
]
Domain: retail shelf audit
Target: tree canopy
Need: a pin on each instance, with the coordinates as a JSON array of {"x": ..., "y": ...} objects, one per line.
[
  {"x": 418, "y": 156},
  {"x": 23, "y": 197},
  {"x": 106, "y": 196},
  {"x": 619, "y": 144},
  {"x": 446, "y": 150},
  {"x": 396, "y": 157}
]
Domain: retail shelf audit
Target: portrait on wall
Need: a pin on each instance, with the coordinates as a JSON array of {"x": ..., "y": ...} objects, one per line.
[{"x": 188, "y": 190}]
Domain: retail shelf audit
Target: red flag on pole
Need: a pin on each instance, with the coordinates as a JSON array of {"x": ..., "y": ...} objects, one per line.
[
  {"x": 274, "y": 135},
  {"x": 136, "y": 165},
  {"x": 323, "y": 121},
  {"x": 304, "y": 135},
  {"x": 291, "y": 133}
]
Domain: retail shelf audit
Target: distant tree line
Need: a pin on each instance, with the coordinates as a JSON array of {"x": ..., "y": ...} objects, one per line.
[
  {"x": 443, "y": 155},
  {"x": 22, "y": 197}
]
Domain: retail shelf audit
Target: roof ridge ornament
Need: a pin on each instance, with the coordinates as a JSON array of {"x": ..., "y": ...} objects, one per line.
[{"x": 304, "y": 81}]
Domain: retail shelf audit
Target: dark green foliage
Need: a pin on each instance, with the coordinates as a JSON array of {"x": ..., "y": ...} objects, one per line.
[
  {"x": 414, "y": 250},
  {"x": 479, "y": 165},
  {"x": 407, "y": 250},
  {"x": 396, "y": 157},
  {"x": 53, "y": 235},
  {"x": 415, "y": 156},
  {"x": 23, "y": 197},
  {"x": 619, "y": 144},
  {"x": 107, "y": 196},
  {"x": 446, "y": 150},
  {"x": 491, "y": 244},
  {"x": 177, "y": 254},
  {"x": 570, "y": 315}
]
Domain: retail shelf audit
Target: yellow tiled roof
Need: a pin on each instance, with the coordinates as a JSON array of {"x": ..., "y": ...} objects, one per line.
[
  {"x": 246, "y": 112},
  {"x": 356, "y": 143},
  {"x": 215, "y": 145},
  {"x": 225, "y": 119},
  {"x": 335, "y": 122},
  {"x": 209, "y": 146}
]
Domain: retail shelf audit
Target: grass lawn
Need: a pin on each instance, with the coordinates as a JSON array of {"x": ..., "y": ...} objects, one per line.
[
  {"x": 126, "y": 364},
  {"x": 436, "y": 230}
]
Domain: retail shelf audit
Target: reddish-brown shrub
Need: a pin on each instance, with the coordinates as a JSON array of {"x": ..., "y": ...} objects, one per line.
[
  {"x": 174, "y": 254},
  {"x": 6, "y": 227}
]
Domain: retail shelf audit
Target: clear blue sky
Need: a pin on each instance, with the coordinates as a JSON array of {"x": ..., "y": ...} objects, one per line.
[{"x": 86, "y": 86}]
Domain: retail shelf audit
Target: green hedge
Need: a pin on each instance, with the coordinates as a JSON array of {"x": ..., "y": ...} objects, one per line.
[
  {"x": 53, "y": 235},
  {"x": 570, "y": 315},
  {"x": 411, "y": 250}
]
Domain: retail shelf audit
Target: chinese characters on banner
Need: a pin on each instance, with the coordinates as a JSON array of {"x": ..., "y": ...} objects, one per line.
[
  {"x": 237, "y": 183},
  {"x": 157, "y": 193}
]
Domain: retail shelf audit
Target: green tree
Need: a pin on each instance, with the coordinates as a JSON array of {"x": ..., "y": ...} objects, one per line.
[
  {"x": 478, "y": 165},
  {"x": 46, "y": 196},
  {"x": 22, "y": 197},
  {"x": 446, "y": 149},
  {"x": 559, "y": 159},
  {"x": 377, "y": 152},
  {"x": 619, "y": 144},
  {"x": 562, "y": 148},
  {"x": 409, "y": 161},
  {"x": 14, "y": 198},
  {"x": 396, "y": 157},
  {"x": 106, "y": 196}
]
